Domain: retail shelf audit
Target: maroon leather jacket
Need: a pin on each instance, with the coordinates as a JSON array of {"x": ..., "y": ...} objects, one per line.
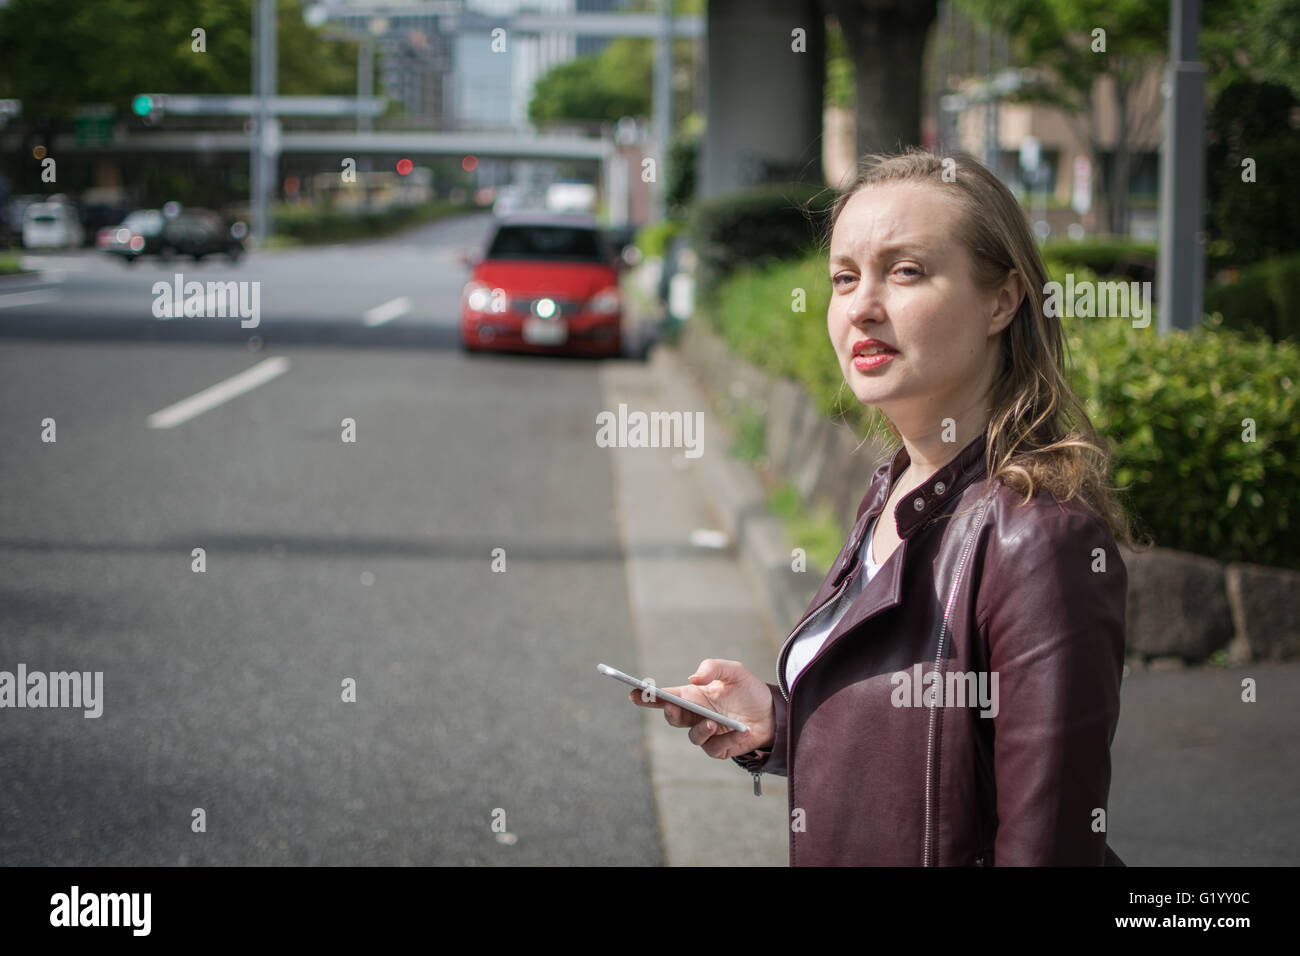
[{"x": 886, "y": 769}]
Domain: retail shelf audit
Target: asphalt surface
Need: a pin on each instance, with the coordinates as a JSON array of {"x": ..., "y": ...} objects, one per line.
[{"x": 474, "y": 737}]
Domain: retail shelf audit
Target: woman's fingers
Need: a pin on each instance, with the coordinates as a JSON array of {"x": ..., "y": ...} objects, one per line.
[
  {"x": 676, "y": 716},
  {"x": 725, "y": 744},
  {"x": 702, "y": 731}
]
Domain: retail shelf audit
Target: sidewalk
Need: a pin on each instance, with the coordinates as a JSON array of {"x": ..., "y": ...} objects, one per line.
[{"x": 689, "y": 603}]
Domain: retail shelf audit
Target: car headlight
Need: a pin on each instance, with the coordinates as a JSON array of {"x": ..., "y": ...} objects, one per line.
[
  {"x": 606, "y": 302},
  {"x": 478, "y": 297}
]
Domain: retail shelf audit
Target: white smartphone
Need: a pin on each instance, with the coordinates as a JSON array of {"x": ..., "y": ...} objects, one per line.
[{"x": 661, "y": 694}]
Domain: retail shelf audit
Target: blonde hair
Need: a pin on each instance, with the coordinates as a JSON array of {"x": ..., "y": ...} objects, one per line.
[{"x": 1039, "y": 436}]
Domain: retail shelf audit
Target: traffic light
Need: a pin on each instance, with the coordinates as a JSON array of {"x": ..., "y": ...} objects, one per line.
[{"x": 150, "y": 107}]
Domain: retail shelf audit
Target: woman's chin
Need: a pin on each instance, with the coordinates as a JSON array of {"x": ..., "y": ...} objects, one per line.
[{"x": 871, "y": 396}]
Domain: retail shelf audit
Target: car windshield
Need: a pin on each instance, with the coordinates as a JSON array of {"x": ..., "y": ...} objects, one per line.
[
  {"x": 567, "y": 243},
  {"x": 146, "y": 222}
]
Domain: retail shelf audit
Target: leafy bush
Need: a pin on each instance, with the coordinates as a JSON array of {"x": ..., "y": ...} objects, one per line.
[
  {"x": 756, "y": 227},
  {"x": 817, "y": 530},
  {"x": 1174, "y": 408},
  {"x": 309, "y": 224},
  {"x": 1178, "y": 409},
  {"x": 1265, "y": 298},
  {"x": 653, "y": 239},
  {"x": 1108, "y": 256}
]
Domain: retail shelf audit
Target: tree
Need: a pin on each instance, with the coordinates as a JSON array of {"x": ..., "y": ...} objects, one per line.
[
  {"x": 1251, "y": 40},
  {"x": 886, "y": 40},
  {"x": 1239, "y": 39},
  {"x": 56, "y": 54},
  {"x": 1060, "y": 38},
  {"x": 599, "y": 88}
]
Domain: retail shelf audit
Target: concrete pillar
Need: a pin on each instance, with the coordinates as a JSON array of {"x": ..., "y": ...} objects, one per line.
[{"x": 764, "y": 100}]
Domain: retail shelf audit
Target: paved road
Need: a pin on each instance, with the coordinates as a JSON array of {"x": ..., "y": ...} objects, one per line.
[
  {"x": 325, "y": 561},
  {"x": 312, "y": 295}
]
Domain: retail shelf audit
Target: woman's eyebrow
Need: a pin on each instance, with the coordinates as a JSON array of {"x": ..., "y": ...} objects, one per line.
[{"x": 906, "y": 248}]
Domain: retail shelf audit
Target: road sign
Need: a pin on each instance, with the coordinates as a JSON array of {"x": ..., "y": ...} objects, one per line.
[
  {"x": 220, "y": 105},
  {"x": 93, "y": 123}
]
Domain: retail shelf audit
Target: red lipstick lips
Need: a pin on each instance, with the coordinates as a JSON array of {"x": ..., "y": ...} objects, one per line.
[
  {"x": 872, "y": 353},
  {"x": 860, "y": 346}
]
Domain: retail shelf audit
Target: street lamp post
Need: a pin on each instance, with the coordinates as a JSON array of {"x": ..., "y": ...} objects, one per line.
[
  {"x": 264, "y": 162},
  {"x": 1181, "y": 266}
]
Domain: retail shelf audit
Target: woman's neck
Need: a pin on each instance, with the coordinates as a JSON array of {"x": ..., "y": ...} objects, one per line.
[{"x": 931, "y": 446}]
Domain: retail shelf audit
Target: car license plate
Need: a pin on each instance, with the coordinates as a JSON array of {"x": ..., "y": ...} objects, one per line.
[{"x": 543, "y": 332}]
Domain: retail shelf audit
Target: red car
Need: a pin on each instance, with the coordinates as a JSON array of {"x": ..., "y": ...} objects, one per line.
[{"x": 546, "y": 284}]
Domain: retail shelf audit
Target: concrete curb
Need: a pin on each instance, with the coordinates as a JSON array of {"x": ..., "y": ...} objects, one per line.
[{"x": 760, "y": 538}]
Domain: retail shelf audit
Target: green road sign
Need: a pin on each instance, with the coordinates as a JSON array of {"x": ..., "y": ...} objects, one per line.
[{"x": 93, "y": 123}]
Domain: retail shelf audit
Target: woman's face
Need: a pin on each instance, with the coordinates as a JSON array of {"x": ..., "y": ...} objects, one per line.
[{"x": 899, "y": 275}]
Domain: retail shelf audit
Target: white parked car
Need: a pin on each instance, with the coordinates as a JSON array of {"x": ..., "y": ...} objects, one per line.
[
  {"x": 571, "y": 197},
  {"x": 51, "y": 225}
]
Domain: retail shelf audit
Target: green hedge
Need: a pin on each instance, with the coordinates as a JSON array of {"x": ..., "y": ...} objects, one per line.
[
  {"x": 1108, "y": 256},
  {"x": 309, "y": 224},
  {"x": 1265, "y": 298},
  {"x": 1172, "y": 406},
  {"x": 756, "y": 227}
]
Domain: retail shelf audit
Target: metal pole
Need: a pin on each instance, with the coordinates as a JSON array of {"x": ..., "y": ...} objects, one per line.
[
  {"x": 268, "y": 132},
  {"x": 1181, "y": 267},
  {"x": 663, "y": 105},
  {"x": 365, "y": 80},
  {"x": 255, "y": 150}
]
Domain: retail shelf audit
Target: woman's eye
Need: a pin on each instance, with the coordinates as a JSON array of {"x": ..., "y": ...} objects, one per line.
[
  {"x": 843, "y": 275},
  {"x": 910, "y": 269}
]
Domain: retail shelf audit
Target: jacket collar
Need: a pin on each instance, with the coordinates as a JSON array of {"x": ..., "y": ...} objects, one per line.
[
  {"x": 917, "y": 507},
  {"x": 921, "y": 503}
]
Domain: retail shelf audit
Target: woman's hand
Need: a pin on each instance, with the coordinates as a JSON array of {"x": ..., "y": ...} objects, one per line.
[{"x": 731, "y": 689}]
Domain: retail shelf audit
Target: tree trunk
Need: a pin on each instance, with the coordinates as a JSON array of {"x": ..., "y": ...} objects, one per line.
[
  {"x": 1119, "y": 224},
  {"x": 886, "y": 39}
]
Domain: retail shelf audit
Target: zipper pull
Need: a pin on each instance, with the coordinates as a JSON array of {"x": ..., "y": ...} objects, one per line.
[{"x": 758, "y": 787}]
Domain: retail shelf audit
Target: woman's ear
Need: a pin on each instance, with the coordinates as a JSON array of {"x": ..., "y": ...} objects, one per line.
[{"x": 1007, "y": 302}]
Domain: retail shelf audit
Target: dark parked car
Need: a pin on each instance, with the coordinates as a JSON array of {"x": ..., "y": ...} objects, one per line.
[
  {"x": 199, "y": 232},
  {"x": 193, "y": 232}
]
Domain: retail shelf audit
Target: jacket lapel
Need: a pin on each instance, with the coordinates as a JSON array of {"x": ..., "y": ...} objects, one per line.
[{"x": 885, "y": 590}]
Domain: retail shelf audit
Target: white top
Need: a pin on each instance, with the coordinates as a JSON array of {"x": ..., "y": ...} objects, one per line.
[{"x": 823, "y": 621}]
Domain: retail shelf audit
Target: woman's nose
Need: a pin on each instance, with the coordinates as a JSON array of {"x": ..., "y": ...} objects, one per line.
[{"x": 865, "y": 305}]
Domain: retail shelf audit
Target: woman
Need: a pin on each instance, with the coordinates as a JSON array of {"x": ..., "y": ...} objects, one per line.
[{"x": 950, "y": 696}]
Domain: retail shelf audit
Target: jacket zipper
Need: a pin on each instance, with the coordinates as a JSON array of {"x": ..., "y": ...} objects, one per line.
[
  {"x": 780, "y": 676},
  {"x": 944, "y": 629}
]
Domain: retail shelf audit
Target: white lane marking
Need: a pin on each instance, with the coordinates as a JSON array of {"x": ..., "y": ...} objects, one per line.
[
  {"x": 388, "y": 311},
  {"x": 219, "y": 394},
  {"x": 13, "y": 299}
]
